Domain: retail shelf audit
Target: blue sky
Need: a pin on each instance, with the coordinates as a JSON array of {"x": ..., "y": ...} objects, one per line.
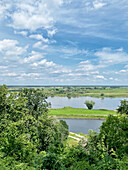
[{"x": 64, "y": 42}]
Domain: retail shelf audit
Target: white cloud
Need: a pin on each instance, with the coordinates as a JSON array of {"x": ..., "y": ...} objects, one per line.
[
  {"x": 100, "y": 77},
  {"x": 107, "y": 57},
  {"x": 33, "y": 14},
  {"x": 9, "y": 74},
  {"x": 97, "y": 4},
  {"x": 26, "y": 20},
  {"x": 45, "y": 63},
  {"x": 33, "y": 57},
  {"x": 39, "y": 45},
  {"x": 24, "y": 33},
  {"x": 126, "y": 66},
  {"x": 123, "y": 71},
  {"x": 3, "y": 67},
  {"x": 52, "y": 32},
  {"x": 120, "y": 49},
  {"x": 10, "y": 50},
  {"x": 86, "y": 66},
  {"x": 3, "y": 9},
  {"x": 30, "y": 74},
  {"x": 39, "y": 37}
]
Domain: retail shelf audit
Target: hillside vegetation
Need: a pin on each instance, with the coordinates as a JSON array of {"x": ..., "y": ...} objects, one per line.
[{"x": 32, "y": 139}]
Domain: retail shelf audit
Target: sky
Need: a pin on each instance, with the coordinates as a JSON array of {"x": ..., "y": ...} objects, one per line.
[{"x": 64, "y": 42}]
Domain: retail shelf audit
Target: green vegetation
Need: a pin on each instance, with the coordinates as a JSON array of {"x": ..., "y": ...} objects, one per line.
[
  {"x": 70, "y": 141},
  {"x": 89, "y": 104},
  {"x": 123, "y": 108},
  {"x": 69, "y": 112},
  {"x": 32, "y": 139},
  {"x": 26, "y": 129},
  {"x": 69, "y": 91}
]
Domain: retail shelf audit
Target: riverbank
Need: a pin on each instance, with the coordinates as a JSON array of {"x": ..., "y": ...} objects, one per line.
[{"x": 79, "y": 113}]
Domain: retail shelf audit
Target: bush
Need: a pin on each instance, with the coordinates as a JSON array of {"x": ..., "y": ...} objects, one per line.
[{"x": 123, "y": 108}]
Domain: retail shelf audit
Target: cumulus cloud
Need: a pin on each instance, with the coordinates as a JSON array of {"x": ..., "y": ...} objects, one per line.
[
  {"x": 34, "y": 56},
  {"x": 44, "y": 62},
  {"x": 10, "y": 49},
  {"x": 31, "y": 14}
]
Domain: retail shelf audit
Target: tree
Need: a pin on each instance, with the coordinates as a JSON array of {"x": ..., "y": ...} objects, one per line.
[
  {"x": 26, "y": 129},
  {"x": 123, "y": 108},
  {"x": 89, "y": 104}
]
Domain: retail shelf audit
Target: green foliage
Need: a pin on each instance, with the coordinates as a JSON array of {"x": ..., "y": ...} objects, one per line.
[
  {"x": 31, "y": 139},
  {"x": 123, "y": 108},
  {"x": 89, "y": 104},
  {"x": 64, "y": 129},
  {"x": 109, "y": 146},
  {"x": 26, "y": 129},
  {"x": 115, "y": 132},
  {"x": 74, "y": 156},
  {"x": 102, "y": 94},
  {"x": 36, "y": 102}
]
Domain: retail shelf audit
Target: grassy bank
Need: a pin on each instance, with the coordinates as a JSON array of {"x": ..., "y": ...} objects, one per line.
[{"x": 69, "y": 112}]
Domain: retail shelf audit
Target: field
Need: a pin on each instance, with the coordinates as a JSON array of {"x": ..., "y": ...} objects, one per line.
[
  {"x": 69, "y": 112},
  {"x": 70, "y": 91}
]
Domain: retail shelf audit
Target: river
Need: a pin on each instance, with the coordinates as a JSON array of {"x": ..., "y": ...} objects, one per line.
[
  {"x": 78, "y": 102},
  {"x": 83, "y": 125}
]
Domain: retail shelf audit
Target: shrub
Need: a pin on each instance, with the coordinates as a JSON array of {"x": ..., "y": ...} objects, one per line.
[{"x": 123, "y": 108}]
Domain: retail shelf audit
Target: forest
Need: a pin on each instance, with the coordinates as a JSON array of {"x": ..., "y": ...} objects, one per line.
[{"x": 32, "y": 139}]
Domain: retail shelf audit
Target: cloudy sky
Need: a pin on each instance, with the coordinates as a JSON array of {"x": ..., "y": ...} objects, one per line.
[{"x": 64, "y": 42}]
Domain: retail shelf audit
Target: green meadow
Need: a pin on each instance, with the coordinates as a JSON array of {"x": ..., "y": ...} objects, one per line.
[{"x": 69, "y": 112}]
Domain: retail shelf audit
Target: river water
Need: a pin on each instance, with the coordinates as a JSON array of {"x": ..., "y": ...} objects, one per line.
[
  {"x": 83, "y": 125},
  {"x": 78, "y": 102}
]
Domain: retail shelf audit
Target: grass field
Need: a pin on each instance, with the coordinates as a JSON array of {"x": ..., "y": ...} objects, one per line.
[{"x": 69, "y": 112}]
